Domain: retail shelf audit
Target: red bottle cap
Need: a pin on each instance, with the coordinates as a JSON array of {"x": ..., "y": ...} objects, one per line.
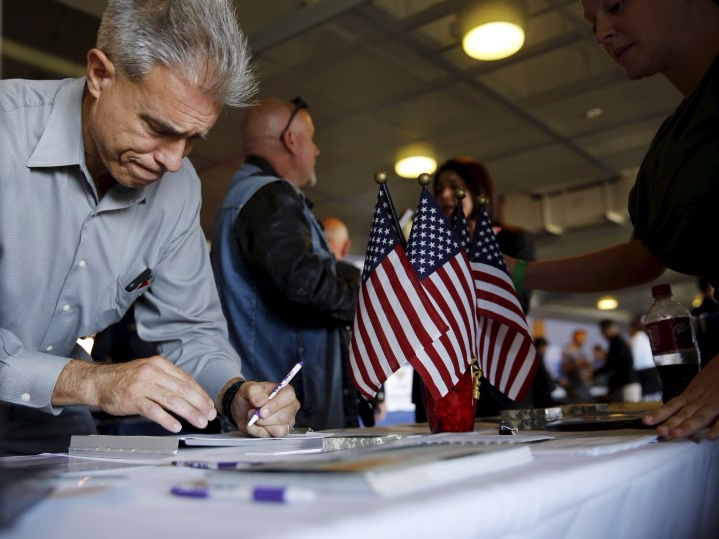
[{"x": 661, "y": 290}]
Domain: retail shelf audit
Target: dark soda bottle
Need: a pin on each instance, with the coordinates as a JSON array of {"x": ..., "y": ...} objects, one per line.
[{"x": 674, "y": 343}]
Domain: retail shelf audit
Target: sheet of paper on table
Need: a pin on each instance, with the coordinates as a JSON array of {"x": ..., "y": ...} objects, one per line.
[{"x": 594, "y": 443}]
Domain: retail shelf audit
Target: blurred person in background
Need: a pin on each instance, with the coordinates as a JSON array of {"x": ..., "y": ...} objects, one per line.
[
  {"x": 338, "y": 238},
  {"x": 577, "y": 370},
  {"x": 648, "y": 374},
  {"x": 622, "y": 380}
]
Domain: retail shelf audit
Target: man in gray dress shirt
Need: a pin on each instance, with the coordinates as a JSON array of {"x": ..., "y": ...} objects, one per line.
[{"x": 99, "y": 209}]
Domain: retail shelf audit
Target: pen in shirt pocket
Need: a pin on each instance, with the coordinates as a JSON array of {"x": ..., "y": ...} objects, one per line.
[{"x": 141, "y": 281}]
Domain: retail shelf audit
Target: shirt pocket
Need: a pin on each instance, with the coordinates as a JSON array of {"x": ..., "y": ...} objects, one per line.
[{"x": 122, "y": 299}]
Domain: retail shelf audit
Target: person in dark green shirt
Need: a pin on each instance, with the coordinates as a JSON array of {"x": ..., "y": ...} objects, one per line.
[{"x": 674, "y": 200}]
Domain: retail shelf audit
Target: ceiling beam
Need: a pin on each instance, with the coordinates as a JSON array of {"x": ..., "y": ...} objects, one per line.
[{"x": 299, "y": 21}]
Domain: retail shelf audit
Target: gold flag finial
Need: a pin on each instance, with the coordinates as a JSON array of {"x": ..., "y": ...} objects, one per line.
[
  {"x": 380, "y": 177},
  {"x": 424, "y": 179},
  {"x": 460, "y": 193},
  {"x": 482, "y": 200},
  {"x": 476, "y": 377}
]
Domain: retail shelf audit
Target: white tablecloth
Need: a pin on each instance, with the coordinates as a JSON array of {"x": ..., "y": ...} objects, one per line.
[{"x": 662, "y": 490}]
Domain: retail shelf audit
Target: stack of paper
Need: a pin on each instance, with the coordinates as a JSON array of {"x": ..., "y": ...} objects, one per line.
[
  {"x": 387, "y": 470},
  {"x": 160, "y": 447}
]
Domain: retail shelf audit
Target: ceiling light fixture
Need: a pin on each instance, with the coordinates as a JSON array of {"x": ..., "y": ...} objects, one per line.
[
  {"x": 607, "y": 303},
  {"x": 414, "y": 160},
  {"x": 492, "y": 29}
]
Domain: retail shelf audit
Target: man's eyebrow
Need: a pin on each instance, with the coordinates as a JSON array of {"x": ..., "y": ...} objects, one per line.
[{"x": 169, "y": 130}]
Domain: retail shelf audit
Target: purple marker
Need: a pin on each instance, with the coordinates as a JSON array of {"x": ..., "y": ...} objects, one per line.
[
  {"x": 207, "y": 465},
  {"x": 276, "y": 494}
]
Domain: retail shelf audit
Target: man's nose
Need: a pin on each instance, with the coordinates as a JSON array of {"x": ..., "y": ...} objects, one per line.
[{"x": 171, "y": 154}]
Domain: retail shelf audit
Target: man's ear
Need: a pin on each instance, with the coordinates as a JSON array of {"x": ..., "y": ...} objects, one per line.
[
  {"x": 100, "y": 72},
  {"x": 289, "y": 140}
]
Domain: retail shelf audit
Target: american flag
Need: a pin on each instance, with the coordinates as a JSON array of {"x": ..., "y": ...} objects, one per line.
[
  {"x": 440, "y": 261},
  {"x": 459, "y": 223},
  {"x": 506, "y": 349},
  {"x": 395, "y": 320}
]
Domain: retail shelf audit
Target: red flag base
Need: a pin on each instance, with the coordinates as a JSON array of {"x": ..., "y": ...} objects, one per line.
[{"x": 455, "y": 411}]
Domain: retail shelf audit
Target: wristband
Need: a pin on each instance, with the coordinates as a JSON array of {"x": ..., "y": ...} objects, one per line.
[
  {"x": 227, "y": 399},
  {"x": 520, "y": 266}
]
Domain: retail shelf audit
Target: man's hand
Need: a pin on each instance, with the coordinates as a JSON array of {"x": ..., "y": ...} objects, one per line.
[
  {"x": 149, "y": 387},
  {"x": 277, "y": 415},
  {"x": 697, "y": 407}
]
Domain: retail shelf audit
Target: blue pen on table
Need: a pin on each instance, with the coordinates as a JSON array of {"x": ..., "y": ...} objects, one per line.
[
  {"x": 283, "y": 383},
  {"x": 276, "y": 494}
]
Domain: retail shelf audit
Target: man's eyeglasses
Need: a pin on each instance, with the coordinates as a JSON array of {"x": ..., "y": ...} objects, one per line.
[{"x": 299, "y": 103}]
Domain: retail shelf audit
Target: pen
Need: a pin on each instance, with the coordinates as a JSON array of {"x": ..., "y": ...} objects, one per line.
[
  {"x": 277, "y": 494},
  {"x": 283, "y": 383},
  {"x": 205, "y": 465}
]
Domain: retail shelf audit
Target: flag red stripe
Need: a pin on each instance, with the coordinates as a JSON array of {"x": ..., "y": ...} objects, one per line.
[
  {"x": 393, "y": 322},
  {"x": 441, "y": 288}
]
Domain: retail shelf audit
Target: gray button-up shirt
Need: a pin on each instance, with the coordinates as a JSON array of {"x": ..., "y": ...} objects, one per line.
[{"x": 66, "y": 258}]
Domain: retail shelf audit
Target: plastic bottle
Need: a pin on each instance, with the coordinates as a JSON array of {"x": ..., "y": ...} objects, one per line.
[{"x": 674, "y": 344}]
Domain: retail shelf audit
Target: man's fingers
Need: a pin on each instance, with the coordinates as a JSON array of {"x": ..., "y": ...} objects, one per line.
[
  {"x": 153, "y": 386},
  {"x": 154, "y": 412},
  {"x": 188, "y": 400},
  {"x": 258, "y": 395},
  {"x": 276, "y": 414},
  {"x": 275, "y": 430},
  {"x": 187, "y": 388},
  {"x": 713, "y": 433}
]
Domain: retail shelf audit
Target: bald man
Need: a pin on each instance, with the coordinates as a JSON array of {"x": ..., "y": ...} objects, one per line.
[
  {"x": 274, "y": 269},
  {"x": 338, "y": 237}
]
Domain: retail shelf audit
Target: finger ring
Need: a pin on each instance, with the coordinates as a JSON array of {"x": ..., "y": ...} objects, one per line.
[{"x": 288, "y": 428}]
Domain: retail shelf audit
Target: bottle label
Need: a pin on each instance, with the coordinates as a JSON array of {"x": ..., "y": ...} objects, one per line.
[{"x": 671, "y": 335}]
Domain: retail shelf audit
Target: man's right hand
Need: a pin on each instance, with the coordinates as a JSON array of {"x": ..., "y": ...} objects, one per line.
[{"x": 149, "y": 387}]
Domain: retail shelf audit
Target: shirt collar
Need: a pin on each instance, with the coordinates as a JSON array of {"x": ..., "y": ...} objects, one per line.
[
  {"x": 61, "y": 142},
  {"x": 266, "y": 168},
  {"x": 262, "y": 164}
]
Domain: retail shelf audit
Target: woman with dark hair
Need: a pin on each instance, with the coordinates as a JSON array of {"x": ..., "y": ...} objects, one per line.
[
  {"x": 465, "y": 172},
  {"x": 512, "y": 240}
]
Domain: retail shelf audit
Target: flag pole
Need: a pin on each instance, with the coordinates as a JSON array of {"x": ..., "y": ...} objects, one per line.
[
  {"x": 381, "y": 178},
  {"x": 459, "y": 193}
]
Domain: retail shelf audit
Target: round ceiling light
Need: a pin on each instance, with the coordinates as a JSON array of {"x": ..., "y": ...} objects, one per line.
[
  {"x": 492, "y": 29},
  {"x": 607, "y": 303},
  {"x": 414, "y": 165},
  {"x": 493, "y": 41}
]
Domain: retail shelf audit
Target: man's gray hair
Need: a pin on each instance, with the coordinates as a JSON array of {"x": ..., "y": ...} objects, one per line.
[{"x": 200, "y": 37}]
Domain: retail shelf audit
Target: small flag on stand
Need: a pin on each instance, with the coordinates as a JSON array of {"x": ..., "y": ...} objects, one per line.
[
  {"x": 506, "y": 350},
  {"x": 459, "y": 222},
  {"x": 441, "y": 263},
  {"x": 395, "y": 320}
]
